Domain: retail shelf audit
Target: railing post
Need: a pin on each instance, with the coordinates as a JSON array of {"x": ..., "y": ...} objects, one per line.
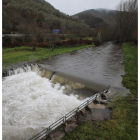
[
  {"x": 87, "y": 102},
  {"x": 77, "y": 109},
  {"x": 96, "y": 97},
  {"x": 64, "y": 119},
  {"x": 49, "y": 128},
  {"x": 46, "y": 133}
]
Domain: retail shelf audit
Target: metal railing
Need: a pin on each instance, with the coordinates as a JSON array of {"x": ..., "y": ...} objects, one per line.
[{"x": 62, "y": 120}]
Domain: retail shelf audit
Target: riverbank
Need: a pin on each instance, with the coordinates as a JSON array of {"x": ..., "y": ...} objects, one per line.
[
  {"x": 124, "y": 118},
  {"x": 21, "y": 54}
]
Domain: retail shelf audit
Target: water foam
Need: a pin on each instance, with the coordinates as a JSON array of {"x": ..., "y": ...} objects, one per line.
[{"x": 30, "y": 103}]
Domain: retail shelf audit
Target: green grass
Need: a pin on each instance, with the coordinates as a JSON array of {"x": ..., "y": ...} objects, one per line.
[
  {"x": 124, "y": 121},
  {"x": 89, "y": 38},
  {"x": 21, "y": 54},
  {"x": 130, "y": 80}
]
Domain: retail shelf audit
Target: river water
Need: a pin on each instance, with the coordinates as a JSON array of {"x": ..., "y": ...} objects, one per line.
[
  {"x": 97, "y": 67},
  {"x": 31, "y": 103}
]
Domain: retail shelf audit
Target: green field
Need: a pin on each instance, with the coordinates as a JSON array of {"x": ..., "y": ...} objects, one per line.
[
  {"x": 21, "y": 54},
  {"x": 124, "y": 119}
]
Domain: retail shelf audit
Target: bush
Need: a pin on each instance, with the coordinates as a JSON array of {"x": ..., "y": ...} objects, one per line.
[
  {"x": 88, "y": 41},
  {"x": 43, "y": 45},
  {"x": 58, "y": 43},
  {"x": 7, "y": 42},
  {"x": 97, "y": 42}
]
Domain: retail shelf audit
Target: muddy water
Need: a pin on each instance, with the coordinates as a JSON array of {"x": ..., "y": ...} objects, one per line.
[{"x": 96, "y": 67}]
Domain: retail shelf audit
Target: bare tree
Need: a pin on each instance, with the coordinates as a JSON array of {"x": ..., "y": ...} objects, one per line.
[{"x": 127, "y": 18}]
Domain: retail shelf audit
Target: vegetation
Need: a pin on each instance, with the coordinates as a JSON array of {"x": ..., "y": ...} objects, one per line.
[
  {"x": 93, "y": 22},
  {"x": 124, "y": 119},
  {"x": 36, "y": 20},
  {"x": 130, "y": 79},
  {"x": 127, "y": 21},
  {"x": 101, "y": 21},
  {"x": 10, "y": 42},
  {"x": 120, "y": 25},
  {"x": 96, "y": 16},
  {"x": 21, "y": 54},
  {"x": 36, "y": 17}
]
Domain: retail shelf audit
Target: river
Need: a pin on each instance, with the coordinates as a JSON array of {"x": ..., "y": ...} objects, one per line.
[
  {"x": 96, "y": 67},
  {"x": 31, "y": 103}
]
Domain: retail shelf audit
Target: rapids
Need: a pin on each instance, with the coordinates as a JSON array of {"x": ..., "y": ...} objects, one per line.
[{"x": 31, "y": 103}]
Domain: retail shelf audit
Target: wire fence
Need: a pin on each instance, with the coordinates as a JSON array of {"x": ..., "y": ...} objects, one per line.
[{"x": 62, "y": 120}]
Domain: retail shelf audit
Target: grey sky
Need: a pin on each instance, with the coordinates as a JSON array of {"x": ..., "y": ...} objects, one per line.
[{"x": 72, "y": 7}]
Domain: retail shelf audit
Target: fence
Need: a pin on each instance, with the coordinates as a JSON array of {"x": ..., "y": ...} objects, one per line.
[{"x": 62, "y": 120}]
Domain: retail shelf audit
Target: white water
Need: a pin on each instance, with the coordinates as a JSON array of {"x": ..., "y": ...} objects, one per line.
[{"x": 30, "y": 104}]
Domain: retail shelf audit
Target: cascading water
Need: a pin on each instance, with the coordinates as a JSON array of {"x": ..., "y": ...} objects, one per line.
[{"x": 31, "y": 103}]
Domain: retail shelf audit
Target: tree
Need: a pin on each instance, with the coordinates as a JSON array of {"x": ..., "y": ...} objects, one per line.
[
  {"x": 33, "y": 43},
  {"x": 127, "y": 18}
]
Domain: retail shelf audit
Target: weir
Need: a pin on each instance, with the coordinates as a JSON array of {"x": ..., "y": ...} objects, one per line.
[
  {"x": 68, "y": 81},
  {"x": 71, "y": 87}
]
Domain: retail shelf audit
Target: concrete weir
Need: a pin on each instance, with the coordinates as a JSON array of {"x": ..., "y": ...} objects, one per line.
[
  {"x": 92, "y": 108},
  {"x": 69, "y": 81}
]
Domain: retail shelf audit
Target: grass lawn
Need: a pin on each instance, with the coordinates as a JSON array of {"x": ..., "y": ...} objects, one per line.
[
  {"x": 21, "y": 54},
  {"x": 124, "y": 121}
]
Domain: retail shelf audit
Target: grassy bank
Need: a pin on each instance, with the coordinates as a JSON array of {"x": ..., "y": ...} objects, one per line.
[
  {"x": 124, "y": 122},
  {"x": 20, "y": 54}
]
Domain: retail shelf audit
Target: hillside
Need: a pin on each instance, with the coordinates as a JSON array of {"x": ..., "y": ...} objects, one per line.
[
  {"x": 20, "y": 16},
  {"x": 94, "y": 17}
]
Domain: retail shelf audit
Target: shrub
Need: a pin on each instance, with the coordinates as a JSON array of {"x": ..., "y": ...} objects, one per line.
[{"x": 97, "y": 42}]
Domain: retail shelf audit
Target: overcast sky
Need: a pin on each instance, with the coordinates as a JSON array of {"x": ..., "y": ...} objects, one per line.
[{"x": 72, "y": 7}]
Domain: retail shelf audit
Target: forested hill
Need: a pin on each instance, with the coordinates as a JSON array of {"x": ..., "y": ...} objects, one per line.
[
  {"x": 94, "y": 17},
  {"x": 20, "y": 16}
]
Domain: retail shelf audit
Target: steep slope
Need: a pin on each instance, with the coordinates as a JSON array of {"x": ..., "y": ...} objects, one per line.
[
  {"x": 21, "y": 15},
  {"x": 94, "y": 17},
  {"x": 90, "y": 20}
]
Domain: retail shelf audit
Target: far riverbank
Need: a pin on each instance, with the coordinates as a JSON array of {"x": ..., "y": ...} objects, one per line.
[{"x": 23, "y": 54}]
